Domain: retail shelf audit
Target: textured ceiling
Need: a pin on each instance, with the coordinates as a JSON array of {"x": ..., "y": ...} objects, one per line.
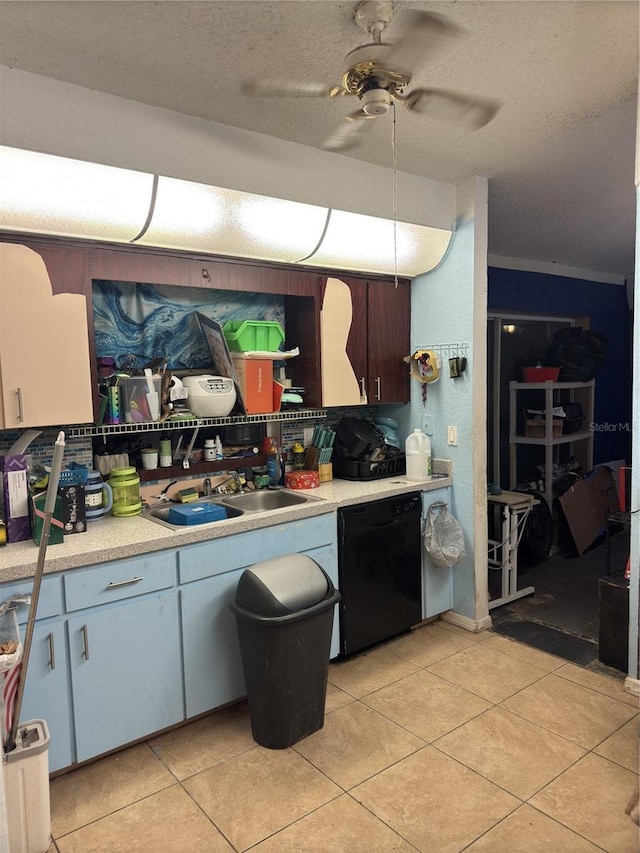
[{"x": 559, "y": 155}]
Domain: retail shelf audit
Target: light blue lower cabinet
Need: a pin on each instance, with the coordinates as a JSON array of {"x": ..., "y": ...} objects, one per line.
[
  {"x": 213, "y": 674},
  {"x": 437, "y": 590},
  {"x": 47, "y": 693},
  {"x": 126, "y": 671},
  {"x": 212, "y": 665}
]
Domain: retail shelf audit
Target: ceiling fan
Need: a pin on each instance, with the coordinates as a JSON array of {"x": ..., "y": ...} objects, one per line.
[{"x": 379, "y": 73}]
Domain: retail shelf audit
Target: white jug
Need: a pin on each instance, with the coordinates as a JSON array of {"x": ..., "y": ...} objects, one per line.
[{"x": 417, "y": 449}]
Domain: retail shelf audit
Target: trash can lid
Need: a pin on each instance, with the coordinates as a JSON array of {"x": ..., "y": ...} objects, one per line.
[{"x": 282, "y": 585}]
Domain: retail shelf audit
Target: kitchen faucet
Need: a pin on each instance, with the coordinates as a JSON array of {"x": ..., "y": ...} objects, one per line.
[{"x": 233, "y": 475}]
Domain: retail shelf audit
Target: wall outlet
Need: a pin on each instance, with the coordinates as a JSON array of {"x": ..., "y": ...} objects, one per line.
[
  {"x": 452, "y": 436},
  {"x": 307, "y": 434},
  {"x": 427, "y": 424}
]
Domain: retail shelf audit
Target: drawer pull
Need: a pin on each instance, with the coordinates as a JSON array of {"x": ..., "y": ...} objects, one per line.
[
  {"x": 113, "y": 585},
  {"x": 85, "y": 640},
  {"x": 52, "y": 652}
]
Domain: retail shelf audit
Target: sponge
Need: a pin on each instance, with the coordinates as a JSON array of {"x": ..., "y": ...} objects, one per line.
[{"x": 185, "y": 496}]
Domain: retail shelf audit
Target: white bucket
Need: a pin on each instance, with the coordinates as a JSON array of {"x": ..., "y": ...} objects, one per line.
[{"x": 26, "y": 789}]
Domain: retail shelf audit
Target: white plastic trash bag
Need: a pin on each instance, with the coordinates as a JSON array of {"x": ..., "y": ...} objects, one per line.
[
  {"x": 10, "y": 657},
  {"x": 443, "y": 537}
]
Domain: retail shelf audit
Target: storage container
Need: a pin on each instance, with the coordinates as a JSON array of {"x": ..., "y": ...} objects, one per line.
[
  {"x": 418, "y": 455},
  {"x": 26, "y": 790},
  {"x": 134, "y": 398},
  {"x": 535, "y": 428},
  {"x": 255, "y": 379},
  {"x": 540, "y": 374},
  {"x": 253, "y": 335}
]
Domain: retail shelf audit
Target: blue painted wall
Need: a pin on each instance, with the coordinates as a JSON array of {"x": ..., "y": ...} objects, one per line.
[
  {"x": 448, "y": 306},
  {"x": 607, "y": 306}
]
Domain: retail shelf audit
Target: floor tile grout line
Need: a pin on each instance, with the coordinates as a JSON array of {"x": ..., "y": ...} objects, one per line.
[
  {"x": 564, "y": 826},
  {"x": 594, "y": 689},
  {"x": 383, "y": 822},
  {"x": 209, "y": 818},
  {"x": 115, "y": 811}
]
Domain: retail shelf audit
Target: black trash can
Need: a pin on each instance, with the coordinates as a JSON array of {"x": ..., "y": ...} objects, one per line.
[{"x": 284, "y": 614}]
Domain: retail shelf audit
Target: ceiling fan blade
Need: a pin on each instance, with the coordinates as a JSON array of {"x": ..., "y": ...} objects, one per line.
[
  {"x": 423, "y": 35},
  {"x": 348, "y": 134},
  {"x": 451, "y": 106},
  {"x": 288, "y": 89}
]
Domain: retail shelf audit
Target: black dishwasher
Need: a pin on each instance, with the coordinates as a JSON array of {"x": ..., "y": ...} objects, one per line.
[{"x": 379, "y": 570}]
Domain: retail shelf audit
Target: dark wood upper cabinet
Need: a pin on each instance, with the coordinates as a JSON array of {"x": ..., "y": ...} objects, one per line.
[
  {"x": 378, "y": 339},
  {"x": 379, "y": 335}
]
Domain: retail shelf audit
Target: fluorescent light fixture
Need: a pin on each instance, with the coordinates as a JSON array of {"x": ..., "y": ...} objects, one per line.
[
  {"x": 45, "y": 194},
  {"x": 228, "y": 222},
  {"x": 185, "y": 216},
  {"x": 368, "y": 244},
  {"x": 282, "y": 228}
]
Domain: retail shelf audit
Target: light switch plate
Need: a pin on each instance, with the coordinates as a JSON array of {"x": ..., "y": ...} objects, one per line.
[
  {"x": 452, "y": 436},
  {"x": 427, "y": 424}
]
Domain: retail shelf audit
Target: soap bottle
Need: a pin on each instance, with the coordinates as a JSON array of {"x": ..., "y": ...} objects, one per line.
[
  {"x": 274, "y": 466},
  {"x": 218, "y": 448}
]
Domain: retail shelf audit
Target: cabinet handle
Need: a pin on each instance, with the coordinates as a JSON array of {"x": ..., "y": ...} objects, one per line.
[
  {"x": 363, "y": 391},
  {"x": 52, "y": 652},
  {"x": 20, "y": 411},
  {"x": 378, "y": 386},
  {"x": 85, "y": 640},
  {"x": 114, "y": 584}
]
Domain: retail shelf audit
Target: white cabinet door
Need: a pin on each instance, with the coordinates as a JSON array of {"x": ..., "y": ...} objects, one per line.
[{"x": 40, "y": 332}]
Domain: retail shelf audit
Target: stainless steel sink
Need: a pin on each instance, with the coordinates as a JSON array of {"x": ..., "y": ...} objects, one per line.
[
  {"x": 160, "y": 514},
  {"x": 263, "y": 500}
]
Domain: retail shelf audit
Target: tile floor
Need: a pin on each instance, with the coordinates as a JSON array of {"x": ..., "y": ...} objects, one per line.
[{"x": 439, "y": 740}]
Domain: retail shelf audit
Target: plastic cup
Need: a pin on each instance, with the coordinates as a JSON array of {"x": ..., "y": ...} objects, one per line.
[{"x": 149, "y": 459}]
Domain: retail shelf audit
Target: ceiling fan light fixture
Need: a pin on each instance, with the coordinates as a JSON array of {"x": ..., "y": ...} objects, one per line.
[{"x": 375, "y": 102}]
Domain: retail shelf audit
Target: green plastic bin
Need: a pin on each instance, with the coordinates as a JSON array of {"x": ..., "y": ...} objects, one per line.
[{"x": 251, "y": 335}]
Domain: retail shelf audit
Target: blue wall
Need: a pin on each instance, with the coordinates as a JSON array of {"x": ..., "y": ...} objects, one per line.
[{"x": 607, "y": 306}]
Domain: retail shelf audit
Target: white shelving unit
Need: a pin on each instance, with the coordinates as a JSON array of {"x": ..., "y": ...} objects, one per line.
[{"x": 582, "y": 392}]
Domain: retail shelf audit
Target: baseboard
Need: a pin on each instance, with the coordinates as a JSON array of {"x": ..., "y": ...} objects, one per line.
[
  {"x": 475, "y": 626},
  {"x": 632, "y": 685}
]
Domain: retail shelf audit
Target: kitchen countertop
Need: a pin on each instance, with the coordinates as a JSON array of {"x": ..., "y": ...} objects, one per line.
[{"x": 113, "y": 538}]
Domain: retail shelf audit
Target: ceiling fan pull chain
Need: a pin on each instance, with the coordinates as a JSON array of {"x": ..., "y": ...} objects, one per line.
[{"x": 395, "y": 197}]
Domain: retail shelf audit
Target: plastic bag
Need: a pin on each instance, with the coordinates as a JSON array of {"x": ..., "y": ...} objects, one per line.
[
  {"x": 443, "y": 537},
  {"x": 10, "y": 657}
]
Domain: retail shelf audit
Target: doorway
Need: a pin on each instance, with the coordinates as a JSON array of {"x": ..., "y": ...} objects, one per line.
[{"x": 562, "y": 614}]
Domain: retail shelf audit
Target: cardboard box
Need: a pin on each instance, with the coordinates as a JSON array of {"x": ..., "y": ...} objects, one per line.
[
  {"x": 255, "y": 378},
  {"x": 74, "y": 518},
  {"x": 16, "y": 497},
  {"x": 56, "y": 530},
  {"x": 586, "y": 506},
  {"x": 535, "y": 428}
]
